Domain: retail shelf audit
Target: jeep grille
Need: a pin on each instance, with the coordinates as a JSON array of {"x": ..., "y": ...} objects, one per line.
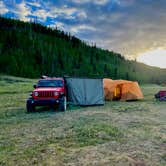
[{"x": 46, "y": 94}]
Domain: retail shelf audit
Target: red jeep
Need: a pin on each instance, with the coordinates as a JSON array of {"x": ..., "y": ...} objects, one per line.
[{"x": 48, "y": 91}]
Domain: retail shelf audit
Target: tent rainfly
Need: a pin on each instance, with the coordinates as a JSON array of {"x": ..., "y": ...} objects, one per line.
[
  {"x": 85, "y": 91},
  {"x": 121, "y": 90}
]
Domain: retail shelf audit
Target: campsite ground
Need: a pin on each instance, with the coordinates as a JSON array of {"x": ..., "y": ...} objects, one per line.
[{"x": 119, "y": 133}]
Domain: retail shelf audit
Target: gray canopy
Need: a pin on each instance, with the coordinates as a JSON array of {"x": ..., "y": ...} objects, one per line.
[{"x": 85, "y": 91}]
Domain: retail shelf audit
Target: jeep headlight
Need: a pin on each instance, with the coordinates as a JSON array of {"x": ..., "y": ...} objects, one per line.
[
  {"x": 56, "y": 93},
  {"x": 36, "y": 94}
]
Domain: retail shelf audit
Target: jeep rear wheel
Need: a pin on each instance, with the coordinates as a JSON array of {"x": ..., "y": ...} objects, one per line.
[
  {"x": 30, "y": 107},
  {"x": 63, "y": 104}
]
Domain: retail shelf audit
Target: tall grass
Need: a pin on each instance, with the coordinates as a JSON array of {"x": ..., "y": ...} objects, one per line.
[{"x": 118, "y": 133}]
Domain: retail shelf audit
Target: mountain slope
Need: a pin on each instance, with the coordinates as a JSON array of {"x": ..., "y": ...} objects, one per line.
[{"x": 30, "y": 49}]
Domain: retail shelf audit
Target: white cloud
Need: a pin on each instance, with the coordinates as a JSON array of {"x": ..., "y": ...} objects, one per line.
[
  {"x": 3, "y": 8},
  {"x": 65, "y": 10},
  {"x": 80, "y": 28},
  {"x": 55, "y": 12},
  {"x": 81, "y": 15},
  {"x": 35, "y": 4},
  {"x": 60, "y": 26},
  {"x": 81, "y": 1},
  {"x": 22, "y": 11},
  {"x": 42, "y": 14},
  {"x": 98, "y": 2},
  {"x": 101, "y": 2}
]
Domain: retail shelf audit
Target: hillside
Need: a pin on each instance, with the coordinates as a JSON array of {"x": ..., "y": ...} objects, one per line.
[{"x": 30, "y": 49}]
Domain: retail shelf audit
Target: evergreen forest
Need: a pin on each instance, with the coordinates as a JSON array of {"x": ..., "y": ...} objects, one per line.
[{"x": 29, "y": 49}]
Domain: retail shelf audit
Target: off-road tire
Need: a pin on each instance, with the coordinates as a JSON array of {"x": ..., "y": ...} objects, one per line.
[
  {"x": 63, "y": 104},
  {"x": 30, "y": 107}
]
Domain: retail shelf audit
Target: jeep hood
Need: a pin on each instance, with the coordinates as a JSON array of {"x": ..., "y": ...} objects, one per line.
[{"x": 48, "y": 89}]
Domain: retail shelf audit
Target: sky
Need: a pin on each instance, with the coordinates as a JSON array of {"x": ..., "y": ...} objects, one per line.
[{"x": 134, "y": 28}]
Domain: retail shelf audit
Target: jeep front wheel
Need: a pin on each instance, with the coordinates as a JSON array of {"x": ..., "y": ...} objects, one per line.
[{"x": 30, "y": 107}]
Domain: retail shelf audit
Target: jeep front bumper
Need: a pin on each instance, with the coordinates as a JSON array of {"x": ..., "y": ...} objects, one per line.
[{"x": 44, "y": 102}]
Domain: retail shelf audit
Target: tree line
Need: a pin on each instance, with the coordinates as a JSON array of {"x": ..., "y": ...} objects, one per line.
[{"x": 31, "y": 49}]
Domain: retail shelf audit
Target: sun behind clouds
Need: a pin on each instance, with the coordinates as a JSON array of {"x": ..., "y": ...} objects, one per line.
[{"x": 154, "y": 58}]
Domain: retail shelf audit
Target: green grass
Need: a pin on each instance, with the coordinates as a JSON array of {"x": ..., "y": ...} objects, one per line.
[{"x": 118, "y": 133}]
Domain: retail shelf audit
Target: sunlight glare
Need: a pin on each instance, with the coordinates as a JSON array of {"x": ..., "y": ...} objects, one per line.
[{"x": 155, "y": 58}]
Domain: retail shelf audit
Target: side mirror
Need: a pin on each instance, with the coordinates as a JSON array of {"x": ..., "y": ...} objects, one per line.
[{"x": 34, "y": 86}]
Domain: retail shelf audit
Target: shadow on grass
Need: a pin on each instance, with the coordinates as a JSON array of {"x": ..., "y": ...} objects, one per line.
[
  {"x": 54, "y": 109},
  {"x": 44, "y": 109}
]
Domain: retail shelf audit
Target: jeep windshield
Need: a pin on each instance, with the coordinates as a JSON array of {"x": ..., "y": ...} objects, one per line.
[{"x": 50, "y": 83}]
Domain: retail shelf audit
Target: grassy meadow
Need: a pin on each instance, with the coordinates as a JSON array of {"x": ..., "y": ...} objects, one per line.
[{"x": 116, "y": 134}]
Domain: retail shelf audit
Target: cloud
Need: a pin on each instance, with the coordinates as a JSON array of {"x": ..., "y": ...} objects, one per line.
[
  {"x": 62, "y": 11},
  {"x": 81, "y": 15},
  {"x": 130, "y": 28},
  {"x": 66, "y": 12},
  {"x": 34, "y": 4},
  {"x": 126, "y": 3},
  {"x": 58, "y": 25},
  {"x": 82, "y": 28},
  {"x": 3, "y": 8},
  {"x": 21, "y": 10},
  {"x": 97, "y": 2},
  {"x": 41, "y": 15}
]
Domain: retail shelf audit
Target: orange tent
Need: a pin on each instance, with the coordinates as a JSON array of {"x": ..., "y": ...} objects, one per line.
[{"x": 121, "y": 90}]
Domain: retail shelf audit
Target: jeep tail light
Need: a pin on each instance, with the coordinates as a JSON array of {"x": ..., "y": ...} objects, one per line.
[
  {"x": 36, "y": 94},
  {"x": 56, "y": 93}
]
